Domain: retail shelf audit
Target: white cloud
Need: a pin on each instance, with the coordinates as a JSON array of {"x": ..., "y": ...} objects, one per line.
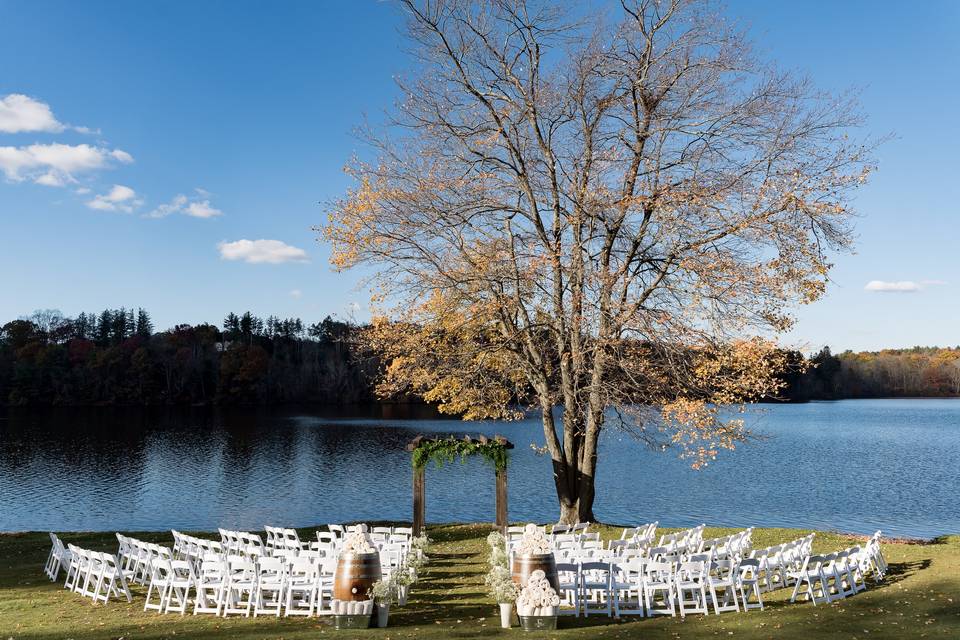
[
  {"x": 56, "y": 164},
  {"x": 261, "y": 251},
  {"x": 119, "y": 198},
  {"x": 20, "y": 113},
  {"x": 202, "y": 210},
  {"x": 196, "y": 207},
  {"x": 23, "y": 114},
  {"x": 296, "y": 294},
  {"x": 902, "y": 286}
]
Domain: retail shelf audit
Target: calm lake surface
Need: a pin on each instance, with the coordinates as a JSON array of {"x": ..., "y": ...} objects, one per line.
[{"x": 857, "y": 466}]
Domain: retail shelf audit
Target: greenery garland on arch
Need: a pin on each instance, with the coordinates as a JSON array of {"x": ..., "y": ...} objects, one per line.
[{"x": 445, "y": 450}]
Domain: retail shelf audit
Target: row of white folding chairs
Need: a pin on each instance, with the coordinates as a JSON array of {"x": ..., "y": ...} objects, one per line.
[
  {"x": 58, "y": 557},
  {"x": 642, "y": 535},
  {"x": 579, "y": 528},
  {"x": 283, "y": 538},
  {"x": 780, "y": 562},
  {"x": 242, "y": 543},
  {"x": 830, "y": 577},
  {"x": 640, "y": 586},
  {"x": 872, "y": 559},
  {"x": 135, "y": 557},
  {"x": 95, "y": 575},
  {"x": 736, "y": 545},
  {"x": 340, "y": 530},
  {"x": 687, "y": 539},
  {"x": 239, "y": 585},
  {"x": 187, "y": 547}
]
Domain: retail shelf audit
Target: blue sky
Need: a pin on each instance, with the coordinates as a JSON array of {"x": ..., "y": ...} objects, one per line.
[{"x": 197, "y": 126}]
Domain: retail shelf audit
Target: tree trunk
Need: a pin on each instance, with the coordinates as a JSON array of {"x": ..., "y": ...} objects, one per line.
[{"x": 576, "y": 502}]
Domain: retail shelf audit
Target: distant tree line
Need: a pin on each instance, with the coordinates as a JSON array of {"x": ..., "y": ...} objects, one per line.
[
  {"x": 116, "y": 357},
  {"x": 890, "y": 373}
]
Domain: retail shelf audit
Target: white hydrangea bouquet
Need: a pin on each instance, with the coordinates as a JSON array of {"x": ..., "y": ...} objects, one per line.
[
  {"x": 534, "y": 542},
  {"x": 358, "y": 540},
  {"x": 538, "y": 597}
]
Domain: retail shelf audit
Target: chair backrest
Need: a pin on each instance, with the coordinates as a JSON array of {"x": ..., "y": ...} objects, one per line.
[
  {"x": 240, "y": 568},
  {"x": 212, "y": 568},
  {"x": 303, "y": 568},
  {"x": 723, "y": 568},
  {"x": 595, "y": 569},
  {"x": 580, "y": 527},
  {"x": 269, "y": 566},
  {"x": 556, "y": 529},
  {"x": 692, "y": 570},
  {"x": 336, "y": 529},
  {"x": 658, "y": 552},
  {"x": 327, "y": 537},
  {"x": 406, "y": 531},
  {"x": 658, "y": 569},
  {"x": 271, "y": 536},
  {"x": 327, "y": 566},
  {"x": 384, "y": 530}
]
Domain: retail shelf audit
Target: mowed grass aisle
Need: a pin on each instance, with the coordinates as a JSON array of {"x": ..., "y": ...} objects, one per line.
[{"x": 919, "y": 599}]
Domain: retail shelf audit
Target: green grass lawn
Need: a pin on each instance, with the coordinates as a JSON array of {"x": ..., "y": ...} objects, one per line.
[{"x": 919, "y": 599}]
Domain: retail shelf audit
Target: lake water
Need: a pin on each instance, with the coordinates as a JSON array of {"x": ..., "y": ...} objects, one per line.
[{"x": 855, "y": 466}]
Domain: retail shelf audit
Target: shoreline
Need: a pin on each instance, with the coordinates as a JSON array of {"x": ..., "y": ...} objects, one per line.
[{"x": 320, "y": 527}]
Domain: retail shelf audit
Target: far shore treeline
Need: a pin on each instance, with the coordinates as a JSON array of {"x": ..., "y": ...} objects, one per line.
[{"x": 117, "y": 358}]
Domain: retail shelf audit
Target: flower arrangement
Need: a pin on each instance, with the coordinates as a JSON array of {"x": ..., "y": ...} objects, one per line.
[
  {"x": 498, "y": 549},
  {"x": 538, "y": 597},
  {"x": 533, "y": 542},
  {"x": 501, "y": 585},
  {"x": 358, "y": 540},
  {"x": 384, "y": 591}
]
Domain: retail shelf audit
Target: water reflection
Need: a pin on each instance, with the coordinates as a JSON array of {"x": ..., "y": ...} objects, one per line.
[{"x": 853, "y": 466}]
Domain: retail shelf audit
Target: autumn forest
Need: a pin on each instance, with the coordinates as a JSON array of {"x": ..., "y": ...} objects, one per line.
[{"x": 117, "y": 357}]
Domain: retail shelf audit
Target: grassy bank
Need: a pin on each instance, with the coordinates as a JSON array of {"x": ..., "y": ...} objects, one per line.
[{"x": 919, "y": 599}]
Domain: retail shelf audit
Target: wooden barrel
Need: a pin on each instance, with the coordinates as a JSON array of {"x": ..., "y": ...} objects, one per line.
[
  {"x": 523, "y": 566},
  {"x": 356, "y": 573}
]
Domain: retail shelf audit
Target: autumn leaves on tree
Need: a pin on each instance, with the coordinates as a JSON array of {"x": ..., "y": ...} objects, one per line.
[{"x": 610, "y": 214}]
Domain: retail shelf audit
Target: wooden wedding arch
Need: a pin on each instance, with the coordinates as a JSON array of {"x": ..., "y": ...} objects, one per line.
[{"x": 441, "y": 450}]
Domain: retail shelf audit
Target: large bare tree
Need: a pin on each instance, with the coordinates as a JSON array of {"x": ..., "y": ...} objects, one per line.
[{"x": 610, "y": 214}]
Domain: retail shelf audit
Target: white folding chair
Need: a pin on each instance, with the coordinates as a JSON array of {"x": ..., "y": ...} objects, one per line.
[
  {"x": 239, "y": 587},
  {"x": 210, "y": 585},
  {"x": 327, "y": 567},
  {"x": 658, "y": 579},
  {"x": 269, "y": 588},
  {"x": 748, "y": 582},
  {"x": 691, "y": 586},
  {"x": 182, "y": 580},
  {"x": 302, "y": 590},
  {"x": 627, "y": 583},
  {"x": 595, "y": 588},
  {"x": 722, "y": 580},
  {"x": 813, "y": 580},
  {"x": 161, "y": 580},
  {"x": 74, "y": 567},
  {"x": 58, "y": 557},
  {"x": 568, "y": 577}
]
